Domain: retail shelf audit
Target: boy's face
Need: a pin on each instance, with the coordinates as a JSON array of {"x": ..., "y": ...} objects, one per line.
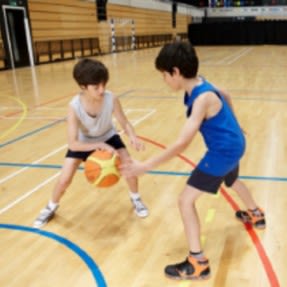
[
  {"x": 95, "y": 91},
  {"x": 173, "y": 81}
]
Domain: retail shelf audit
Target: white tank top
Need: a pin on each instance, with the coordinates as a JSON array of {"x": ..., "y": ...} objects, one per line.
[{"x": 99, "y": 128}]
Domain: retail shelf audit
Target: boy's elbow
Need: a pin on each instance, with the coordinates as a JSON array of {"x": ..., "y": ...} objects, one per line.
[
  {"x": 181, "y": 146},
  {"x": 72, "y": 145}
]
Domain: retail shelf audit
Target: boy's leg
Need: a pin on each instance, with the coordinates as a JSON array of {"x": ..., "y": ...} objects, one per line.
[
  {"x": 190, "y": 217},
  {"x": 139, "y": 207},
  {"x": 67, "y": 173},
  {"x": 253, "y": 214},
  {"x": 244, "y": 194},
  {"x": 195, "y": 266}
]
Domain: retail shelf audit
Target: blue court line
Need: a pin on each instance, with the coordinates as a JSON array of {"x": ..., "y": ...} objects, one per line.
[
  {"x": 97, "y": 275},
  {"x": 47, "y": 126},
  {"x": 172, "y": 173},
  {"x": 260, "y": 99},
  {"x": 268, "y": 178},
  {"x": 31, "y": 133}
]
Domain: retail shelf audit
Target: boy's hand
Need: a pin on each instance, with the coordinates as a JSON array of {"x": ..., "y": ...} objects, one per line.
[
  {"x": 132, "y": 168},
  {"x": 104, "y": 146},
  {"x": 136, "y": 143}
]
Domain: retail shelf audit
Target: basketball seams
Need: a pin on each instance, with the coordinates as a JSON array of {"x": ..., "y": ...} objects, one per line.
[{"x": 101, "y": 168}]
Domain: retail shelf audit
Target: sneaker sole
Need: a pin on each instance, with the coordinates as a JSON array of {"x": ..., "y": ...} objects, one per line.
[
  {"x": 200, "y": 278},
  {"x": 44, "y": 223},
  {"x": 141, "y": 215},
  {"x": 261, "y": 227},
  {"x": 39, "y": 226}
]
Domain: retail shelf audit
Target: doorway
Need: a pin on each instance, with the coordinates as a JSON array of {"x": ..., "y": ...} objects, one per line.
[{"x": 18, "y": 38}]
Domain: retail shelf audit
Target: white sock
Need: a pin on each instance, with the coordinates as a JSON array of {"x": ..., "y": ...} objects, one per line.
[
  {"x": 52, "y": 205},
  {"x": 134, "y": 195}
]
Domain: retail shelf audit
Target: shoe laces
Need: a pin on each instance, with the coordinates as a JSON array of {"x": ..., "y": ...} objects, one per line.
[
  {"x": 46, "y": 211},
  {"x": 257, "y": 213},
  {"x": 138, "y": 204}
]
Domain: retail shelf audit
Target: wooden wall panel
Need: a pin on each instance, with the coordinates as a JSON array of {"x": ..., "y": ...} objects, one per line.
[{"x": 65, "y": 19}]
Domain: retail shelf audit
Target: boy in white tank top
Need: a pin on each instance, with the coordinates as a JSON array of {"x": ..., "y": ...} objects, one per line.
[{"x": 90, "y": 127}]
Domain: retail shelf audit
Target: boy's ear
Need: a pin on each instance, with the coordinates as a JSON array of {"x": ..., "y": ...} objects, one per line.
[{"x": 175, "y": 71}]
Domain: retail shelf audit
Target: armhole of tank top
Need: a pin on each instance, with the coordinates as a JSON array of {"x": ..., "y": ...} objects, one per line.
[{"x": 111, "y": 99}]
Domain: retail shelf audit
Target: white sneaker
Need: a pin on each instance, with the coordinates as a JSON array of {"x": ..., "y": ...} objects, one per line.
[
  {"x": 140, "y": 209},
  {"x": 46, "y": 214}
]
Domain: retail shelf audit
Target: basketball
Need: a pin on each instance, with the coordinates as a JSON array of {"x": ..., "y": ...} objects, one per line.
[{"x": 101, "y": 168}]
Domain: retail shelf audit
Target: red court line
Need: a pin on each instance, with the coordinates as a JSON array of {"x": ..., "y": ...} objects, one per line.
[
  {"x": 36, "y": 106},
  {"x": 255, "y": 239}
]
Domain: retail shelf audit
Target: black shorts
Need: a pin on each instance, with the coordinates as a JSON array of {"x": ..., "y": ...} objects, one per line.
[
  {"x": 115, "y": 141},
  {"x": 210, "y": 183}
]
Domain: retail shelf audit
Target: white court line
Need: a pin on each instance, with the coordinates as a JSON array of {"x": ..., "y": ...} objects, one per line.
[
  {"x": 32, "y": 118},
  {"x": 34, "y": 162},
  {"x": 138, "y": 110},
  {"x": 10, "y": 108},
  {"x": 239, "y": 56},
  {"x": 152, "y": 111},
  {"x": 33, "y": 108},
  {"x": 29, "y": 193},
  {"x": 230, "y": 58},
  {"x": 61, "y": 118}
]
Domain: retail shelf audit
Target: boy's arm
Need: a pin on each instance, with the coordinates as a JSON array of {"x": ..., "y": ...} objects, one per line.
[
  {"x": 126, "y": 125},
  {"x": 73, "y": 142},
  {"x": 185, "y": 137},
  {"x": 227, "y": 98}
]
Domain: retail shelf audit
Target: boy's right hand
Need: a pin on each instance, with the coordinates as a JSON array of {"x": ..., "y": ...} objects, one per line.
[
  {"x": 133, "y": 168},
  {"x": 104, "y": 146}
]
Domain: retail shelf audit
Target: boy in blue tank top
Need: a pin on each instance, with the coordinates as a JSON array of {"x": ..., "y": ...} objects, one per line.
[{"x": 210, "y": 112}]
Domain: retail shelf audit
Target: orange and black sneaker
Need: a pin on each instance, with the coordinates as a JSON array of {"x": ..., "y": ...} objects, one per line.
[
  {"x": 255, "y": 217},
  {"x": 190, "y": 269}
]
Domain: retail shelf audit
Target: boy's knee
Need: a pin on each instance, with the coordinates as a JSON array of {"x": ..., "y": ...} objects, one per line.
[
  {"x": 188, "y": 196},
  {"x": 232, "y": 183}
]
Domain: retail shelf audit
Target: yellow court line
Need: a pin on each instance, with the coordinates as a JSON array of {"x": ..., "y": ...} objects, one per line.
[
  {"x": 20, "y": 120},
  {"x": 202, "y": 240},
  {"x": 185, "y": 284},
  {"x": 210, "y": 215}
]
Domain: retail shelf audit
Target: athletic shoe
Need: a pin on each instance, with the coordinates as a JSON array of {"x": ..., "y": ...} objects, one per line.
[
  {"x": 190, "y": 269},
  {"x": 45, "y": 215},
  {"x": 255, "y": 217},
  {"x": 140, "y": 209}
]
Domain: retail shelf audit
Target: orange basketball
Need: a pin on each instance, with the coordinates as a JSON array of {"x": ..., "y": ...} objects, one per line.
[{"x": 101, "y": 168}]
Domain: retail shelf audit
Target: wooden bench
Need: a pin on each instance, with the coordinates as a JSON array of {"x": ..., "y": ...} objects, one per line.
[
  {"x": 123, "y": 43},
  {"x": 182, "y": 36},
  {"x": 147, "y": 41},
  {"x": 59, "y": 50},
  {"x": 2, "y": 56}
]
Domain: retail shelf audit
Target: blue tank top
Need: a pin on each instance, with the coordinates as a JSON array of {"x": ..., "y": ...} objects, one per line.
[{"x": 222, "y": 135}]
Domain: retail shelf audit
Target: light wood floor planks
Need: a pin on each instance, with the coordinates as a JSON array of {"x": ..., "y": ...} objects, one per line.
[{"x": 95, "y": 238}]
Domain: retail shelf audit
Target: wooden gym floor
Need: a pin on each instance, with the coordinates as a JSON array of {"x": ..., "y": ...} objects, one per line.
[{"x": 95, "y": 239}]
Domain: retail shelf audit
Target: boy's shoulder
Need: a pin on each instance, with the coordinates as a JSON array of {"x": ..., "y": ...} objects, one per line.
[
  {"x": 108, "y": 92},
  {"x": 75, "y": 99}
]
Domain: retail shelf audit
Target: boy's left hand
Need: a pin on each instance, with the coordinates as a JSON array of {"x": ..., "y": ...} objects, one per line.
[
  {"x": 132, "y": 168},
  {"x": 137, "y": 144}
]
